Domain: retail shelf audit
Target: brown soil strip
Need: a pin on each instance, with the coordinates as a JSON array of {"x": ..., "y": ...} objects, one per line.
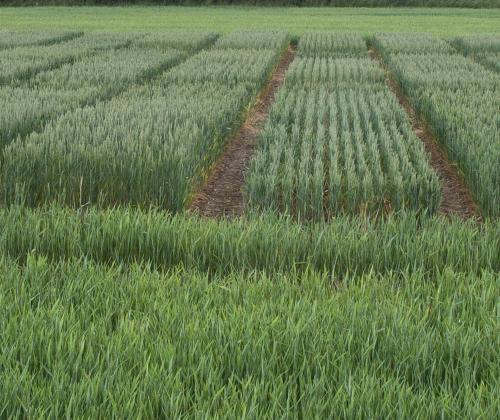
[
  {"x": 222, "y": 195},
  {"x": 456, "y": 197}
]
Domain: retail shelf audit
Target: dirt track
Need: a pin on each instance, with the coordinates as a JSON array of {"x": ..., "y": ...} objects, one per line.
[
  {"x": 456, "y": 197},
  {"x": 222, "y": 195}
]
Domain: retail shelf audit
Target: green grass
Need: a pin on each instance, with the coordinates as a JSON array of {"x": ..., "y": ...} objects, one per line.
[
  {"x": 446, "y": 22},
  {"x": 129, "y": 313},
  {"x": 81, "y": 340},
  {"x": 273, "y": 245}
]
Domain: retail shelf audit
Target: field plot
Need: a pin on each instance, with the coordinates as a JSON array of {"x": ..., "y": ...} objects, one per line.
[
  {"x": 12, "y": 39},
  {"x": 226, "y": 66},
  {"x": 333, "y": 73},
  {"x": 474, "y": 44},
  {"x": 337, "y": 141},
  {"x": 93, "y": 42},
  {"x": 180, "y": 40},
  {"x": 460, "y": 100},
  {"x": 110, "y": 72},
  {"x": 19, "y": 64},
  {"x": 490, "y": 60},
  {"x": 258, "y": 40},
  {"x": 117, "y": 302},
  {"x": 442, "y": 71},
  {"x": 328, "y": 44},
  {"x": 147, "y": 147},
  {"x": 483, "y": 48},
  {"x": 417, "y": 43},
  {"x": 25, "y": 110},
  {"x": 97, "y": 66}
]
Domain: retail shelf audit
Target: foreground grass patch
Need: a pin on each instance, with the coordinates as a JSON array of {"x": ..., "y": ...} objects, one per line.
[
  {"x": 270, "y": 244},
  {"x": 84, "y": 340}
]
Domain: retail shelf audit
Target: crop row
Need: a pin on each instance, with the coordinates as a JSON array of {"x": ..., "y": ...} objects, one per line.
[
  {"x": 337, "y": 142},
  {"x": 179, "y": 40},
  {"x": 137, "y": 150},
  {"x": 476, "y": 44},
  {"x": 348, "y": 151},
  {"x": 112, "y": 66},
  {"x": 228, "y": 66},
  {"x": 490, "y": 60},
  {"x": 19, "y": 64},
  {"x": 329, "y": 44},
  {"x": 270, "y": 40},
  {"x": 333, "y": 72},
  {"x": 12, "y": 39},
  {"x": 25, "y": 110},
  {"x": 444, "y": 71},
  {"x": 81, "y": 340},
  {"x": 417, "y": 43},
  {"x": 485, "y": 49},
  {"x": 271, "y": 244},
  {"x": 146, "y": 147},
  {"x": 459, "y": 98},
  {"x": 97, "y": 76},
  {"x": 109, "y": 72}
]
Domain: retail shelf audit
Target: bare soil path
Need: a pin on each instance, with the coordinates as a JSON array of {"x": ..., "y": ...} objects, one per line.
[
  {"x": 222, "y": 195},
  {"x": 456, "y": 197}
]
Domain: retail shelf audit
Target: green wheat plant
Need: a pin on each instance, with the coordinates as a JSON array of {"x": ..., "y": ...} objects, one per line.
[
  {"x": 13, "y": 39},
  {"x": 150, "y": 146},
  {"x": 86, "y": 340},
  {"x": 334, "y": 72},
  {"x": 331, "y": 44},
  {"x": 182, "y": 40},
  {"x": 460, "y": 99},
  {"x": 271, "y": 40},
  {"x": 268, "y": 243},
  {"x": 410, "y": 43},
  {"x": 474, "y": 44}
]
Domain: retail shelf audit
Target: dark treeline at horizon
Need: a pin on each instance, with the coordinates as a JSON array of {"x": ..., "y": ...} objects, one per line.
[{"x": 296, "y": 3}]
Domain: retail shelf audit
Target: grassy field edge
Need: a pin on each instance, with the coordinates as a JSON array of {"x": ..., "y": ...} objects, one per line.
[{"x": 439, "y": 21}]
